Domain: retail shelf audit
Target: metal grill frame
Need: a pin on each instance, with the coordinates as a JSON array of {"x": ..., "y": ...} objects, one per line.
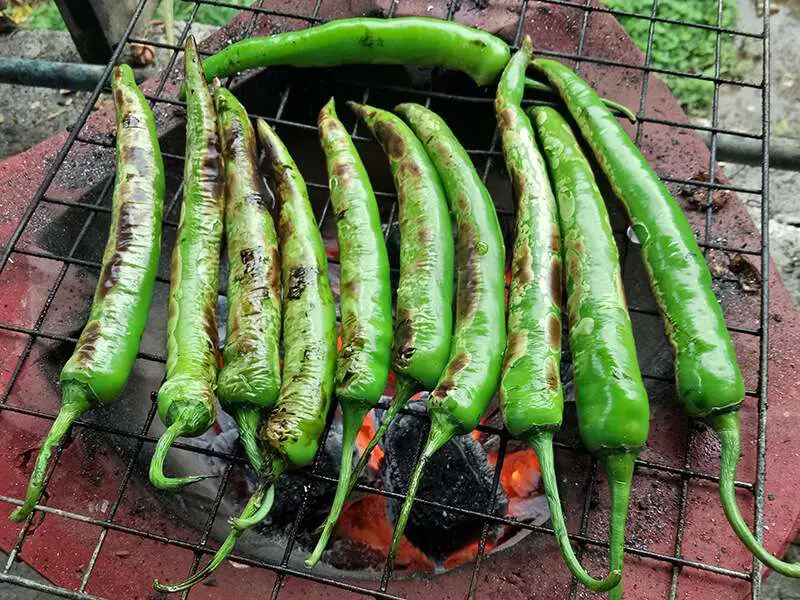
[{"x": 686, "y": 473}]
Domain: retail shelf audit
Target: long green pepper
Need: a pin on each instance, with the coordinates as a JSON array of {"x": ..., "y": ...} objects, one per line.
[
  {"x": 531, "y": 396},
  {"x": 424, "y": 314},
  {"x": 186, "y": 401},
  {"x": 417, "y": 41},
  {"x": 708, "y": 379},
  {"x": 468, "y": 383},
  {"x": 98, "y": 369},
  {"x": 365, "y": 300},
  {"x": 250, "y": 378},
  {"x": 290, "y": 437},
  {"x": 613, "y": 410}
]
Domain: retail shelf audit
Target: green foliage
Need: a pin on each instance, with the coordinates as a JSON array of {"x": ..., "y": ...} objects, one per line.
[
  {"x": 683, "y": 48},
  {"x": 40, "y": 14}
]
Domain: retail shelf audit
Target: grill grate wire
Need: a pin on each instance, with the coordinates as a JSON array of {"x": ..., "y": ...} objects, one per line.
[{"x": 493, "y": 153}]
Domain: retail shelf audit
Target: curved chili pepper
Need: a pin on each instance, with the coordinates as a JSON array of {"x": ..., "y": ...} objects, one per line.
[
  {"x": 291, "y": 435},
  {"x": 707, "y": 376},
  {"x": 470, "y": 378},
  {"x": 424, "y": 319},
  {"x": 365, "y": 300},
  {"x": 531, "y": 397},
  {"x": 186, "y": 402},
  {"x": 405, "y": 40},
  {"x": 613, "y": 411},
  {"x": 103, "y": 358},
  {"x": 250, "y": 378}
]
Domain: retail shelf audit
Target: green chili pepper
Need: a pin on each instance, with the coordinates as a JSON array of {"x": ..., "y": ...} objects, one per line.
[
  {"x": 291, "y": 435},
  {"x": 250, "y": 378},
  {"x": 470, "y": 379},
  {"x": 365, "y": 300},
  {"x": 613, "y": 411},
  {"x": 406, "y": 40},
  {"x": 186, "y": 402},
  {"x": 708, "y": 378},
  {"x": 531, "y": 396},
  {"x": 106, "y": 350},
  {"x": 424, "y": 319}
]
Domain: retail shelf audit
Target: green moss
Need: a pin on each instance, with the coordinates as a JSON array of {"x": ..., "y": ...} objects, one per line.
[{"x": 683, "y": 48}]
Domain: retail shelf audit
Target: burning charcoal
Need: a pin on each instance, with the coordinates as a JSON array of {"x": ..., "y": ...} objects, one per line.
[{"x": 458, "y": 475}]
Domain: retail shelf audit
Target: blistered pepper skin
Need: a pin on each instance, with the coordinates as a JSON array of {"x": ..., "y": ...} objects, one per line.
[
  {"x": 365, "y": 299},
  {"x": 424, "y": 316},
  {"x": 400, "y": 41},
  {"x": 98, "y": 369},
  {"x": 470, "y": 379},
  {"x": 250, "y": 378},
  {"x": 613, "y": 409},
  {"x": 531, "y": 397},
  {"x": 297, "y": 420},
  {"x": 290, "y": 436},
  {"x": 186, "y": 400}
]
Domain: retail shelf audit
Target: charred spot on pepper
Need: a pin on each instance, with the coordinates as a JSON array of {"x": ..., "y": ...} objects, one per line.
[
  {"x": 86, "y": 347},
  {"x": 553, "y": 328},
  {"x": 137, "y": 157},
  {"x": 468, "y": 280},
  {"x": 522, "y": 268},
  {"x": 298, "y": 280},
  {"x": 393, "y": 142},
  {"x": 518, "y": 180},
  {"x": 110, "y": 275},
  {"x": 508, "y": 117},
  {"x": 343, "y": 171},
  {"x": 210, "y": 324},
  {"x": 425, "y": 235},
  {"x": 129, "y": 120},
  {"x": 551, "y": 375},
  {"x": 351, "y": 287},
  {"x": 555, "y": 280}
]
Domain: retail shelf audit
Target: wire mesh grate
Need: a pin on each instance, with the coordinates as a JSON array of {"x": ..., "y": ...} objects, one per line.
[{"x": 484, "y": 156}]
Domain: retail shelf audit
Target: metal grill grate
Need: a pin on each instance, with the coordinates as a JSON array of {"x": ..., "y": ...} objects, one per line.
[{"x": 676, "y": 561}]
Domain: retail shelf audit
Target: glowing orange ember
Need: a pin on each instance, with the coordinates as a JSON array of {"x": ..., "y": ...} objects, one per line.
[
  {"x": 364, "y": 521},
  {"x": 365, "y": 434}
]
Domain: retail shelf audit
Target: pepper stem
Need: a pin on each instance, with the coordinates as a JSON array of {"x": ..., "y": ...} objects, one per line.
[
  {"x": 157, "y": 477},
  {"x": 542, "y": 444},
  {"x": 727, "y": 427},
  {"x": 441, "y": 432},
  {"x": 405, "y": 389},
  {"x": 247, "y": 420},
  {"x": 545, "y": 88},
  {"x": 256, "y": 509},
  {"x": 619, "y": 471},
  {"x": 353, "y": 414},
  {"x": 74, "y": 404}
]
